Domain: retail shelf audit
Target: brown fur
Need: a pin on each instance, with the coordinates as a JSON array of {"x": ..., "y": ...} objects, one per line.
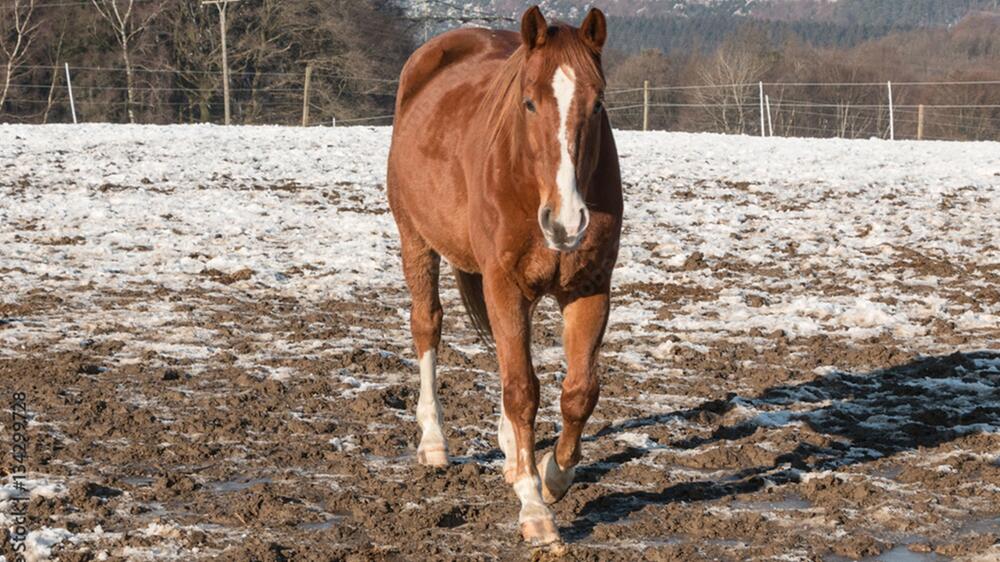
[{"x": 469, "y": 171}]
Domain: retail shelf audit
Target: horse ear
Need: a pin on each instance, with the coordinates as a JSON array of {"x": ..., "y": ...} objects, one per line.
[
  {"x": 534, "y": 29},
  {"x": 594, "y": 30}
]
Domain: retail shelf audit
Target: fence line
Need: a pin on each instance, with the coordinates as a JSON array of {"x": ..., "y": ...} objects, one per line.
[
  {"x": 805, "y": 84},
  {"x": 205, "y": 72},
  {"x": 737, "y": 106}
]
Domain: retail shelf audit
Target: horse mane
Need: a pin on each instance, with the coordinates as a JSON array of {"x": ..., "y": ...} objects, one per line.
[{"x": 502, "y": 102}]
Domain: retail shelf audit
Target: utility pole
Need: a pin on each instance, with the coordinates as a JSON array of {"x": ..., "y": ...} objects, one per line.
[{"x": 222, "y": 5}]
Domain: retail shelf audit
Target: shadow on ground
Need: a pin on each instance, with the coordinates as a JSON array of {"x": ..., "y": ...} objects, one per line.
[{"x": 878, "y": 414}]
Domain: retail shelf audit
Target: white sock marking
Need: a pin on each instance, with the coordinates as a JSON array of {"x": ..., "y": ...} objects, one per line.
[
  {"x": 428, "y": 408},
  {"x": 529, "y": 491},
  {"x": 505, "y": 434}
]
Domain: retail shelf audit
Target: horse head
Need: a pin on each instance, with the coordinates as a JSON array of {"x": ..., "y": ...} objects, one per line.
[{"x": 562, "y": 89}]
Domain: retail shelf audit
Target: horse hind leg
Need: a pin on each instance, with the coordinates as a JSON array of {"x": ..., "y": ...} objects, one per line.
[
  {"x": 470, "y": 286},
  {"x": 585, "y": 320},
  {"x": 421, "y": 266}
]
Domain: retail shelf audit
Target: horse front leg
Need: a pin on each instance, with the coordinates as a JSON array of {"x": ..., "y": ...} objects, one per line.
[
  {"x": 510, "y": 317},
  {"x": 584, "y": 320}
]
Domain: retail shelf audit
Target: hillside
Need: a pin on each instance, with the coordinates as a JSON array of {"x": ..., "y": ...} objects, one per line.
[
  {"x": 687, "y": 24},
  {"x": 899, "y": 13}
]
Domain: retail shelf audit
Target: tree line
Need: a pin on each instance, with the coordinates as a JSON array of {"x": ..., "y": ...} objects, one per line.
[
  {"x": 823, "y": 100},
  {"x": 160, "y": 62},
  {"x": 898, "y": 14}
]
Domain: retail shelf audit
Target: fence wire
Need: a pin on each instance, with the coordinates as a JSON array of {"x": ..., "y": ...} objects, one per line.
[{"x": 945, "y": 109}]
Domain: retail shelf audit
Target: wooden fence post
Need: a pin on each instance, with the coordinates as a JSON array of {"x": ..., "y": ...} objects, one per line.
[
  {"x": 920, "y": 122},
  {"x": 69, "y": 86},
  {"x": 763, "y": 132},
  {"x": 645, "y": 105},
  {"x": 305, "y": 96},
  {"x": 892, "y": 116},
  {"x": 770, "y": 126}
]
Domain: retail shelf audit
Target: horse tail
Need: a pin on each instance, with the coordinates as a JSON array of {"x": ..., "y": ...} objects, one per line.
[{"x": 470, "y": 286}]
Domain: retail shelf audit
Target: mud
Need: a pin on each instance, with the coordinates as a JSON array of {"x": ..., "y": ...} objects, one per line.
[
  {"x": 750, "y": 409},
  {"x": 226, "y": 461}
]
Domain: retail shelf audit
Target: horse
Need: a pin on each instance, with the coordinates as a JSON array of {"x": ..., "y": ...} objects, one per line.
[{"x": 503, "y": 163}]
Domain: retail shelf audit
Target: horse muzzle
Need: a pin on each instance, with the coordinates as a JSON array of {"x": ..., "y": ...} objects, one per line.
[{"x": 563, "y": 232}]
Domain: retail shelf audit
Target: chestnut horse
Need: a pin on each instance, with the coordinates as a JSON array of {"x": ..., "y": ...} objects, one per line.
[{"x": 503, "y": 163}]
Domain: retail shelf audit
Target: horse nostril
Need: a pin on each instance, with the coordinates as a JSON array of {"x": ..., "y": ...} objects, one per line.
[
  {"x": 545, "y": 217},
  {"x": 584, "y": 219}
]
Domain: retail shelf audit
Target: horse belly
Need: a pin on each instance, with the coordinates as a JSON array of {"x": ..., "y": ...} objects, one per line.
[
  {"x": 427, "y": 171},
  {"x": 429, "y": 195}
]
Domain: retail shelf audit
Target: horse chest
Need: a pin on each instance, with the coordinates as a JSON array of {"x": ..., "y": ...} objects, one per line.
[
  {"x": 534, "y": 272},
  {"x": 544, "y": 272}
]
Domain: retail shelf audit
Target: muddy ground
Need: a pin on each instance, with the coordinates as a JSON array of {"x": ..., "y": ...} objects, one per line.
[
  {"x": 880, "y": 453},
  {"x": 225, "y": 417}
]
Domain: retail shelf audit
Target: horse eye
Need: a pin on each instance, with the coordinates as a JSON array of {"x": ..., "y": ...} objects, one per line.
[
  {"x": 529, "y": 105},
  {"x": 598, "y": 107}
]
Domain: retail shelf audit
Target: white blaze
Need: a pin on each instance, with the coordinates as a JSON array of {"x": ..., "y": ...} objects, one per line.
[{"x": 571, "y": 204}]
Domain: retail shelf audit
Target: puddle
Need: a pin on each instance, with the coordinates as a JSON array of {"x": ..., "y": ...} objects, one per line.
[
  {"x": 665, "y": 541},
  {"x": 902, "y": 553},
  {"x": 153, "y": 509},
  {"x": 320, "y": 525},
  {"x": 889, "y": 472},
  {"x": 137, "y": 481},
  {"x": 899, "y": 553},
  {"x": 981, "y": 526},
  {"x": 787, "y": 504},
  {"x": 236, "y": 484}
]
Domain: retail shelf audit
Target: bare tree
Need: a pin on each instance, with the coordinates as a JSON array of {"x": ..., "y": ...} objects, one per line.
[
  {"x": 629, "y": 76},
  {"x": 16, "y": 32},
  {"x": 192, "y": 43},
  {"x": 730, "y": 80},
  {"x": 265, "y": 44},
  {"x": 55, "y": 75},
  {"x": 125, "y": 31}
]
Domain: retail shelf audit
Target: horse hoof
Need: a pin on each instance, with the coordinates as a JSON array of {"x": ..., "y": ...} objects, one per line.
[
  {"x": 540, "y": 532},
  {"x": 555, "y": 481},
  {"x": 433, "y": 456},
  {"x": 557, "y": 548}
]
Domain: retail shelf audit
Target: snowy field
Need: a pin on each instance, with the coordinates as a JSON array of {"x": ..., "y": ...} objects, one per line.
[{"x": 210, "y": 324}]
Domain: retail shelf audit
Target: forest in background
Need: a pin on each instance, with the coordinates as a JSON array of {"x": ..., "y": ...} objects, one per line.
[
  {"x": 953, "y": 71},
  {"x": 160, "y": 62}
]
